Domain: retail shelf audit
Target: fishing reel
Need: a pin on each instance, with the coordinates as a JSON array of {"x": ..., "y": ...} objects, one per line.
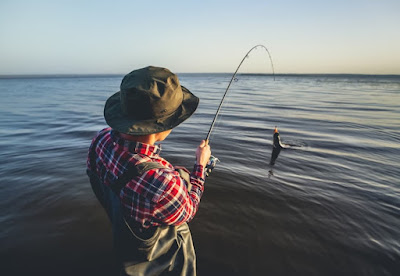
[{"x": 211, "y": 164}]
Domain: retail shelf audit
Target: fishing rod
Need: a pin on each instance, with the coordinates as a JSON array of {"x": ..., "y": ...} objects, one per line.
[
  {"x": 233, "y": 78},
  {"x": 213, "y": 160}
]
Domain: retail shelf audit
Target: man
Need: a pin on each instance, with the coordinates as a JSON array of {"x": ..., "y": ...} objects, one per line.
[{"x": 147, "y": 200}]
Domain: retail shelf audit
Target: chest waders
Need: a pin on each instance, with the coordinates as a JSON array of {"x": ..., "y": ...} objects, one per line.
[{"x": 162, "y": 250}]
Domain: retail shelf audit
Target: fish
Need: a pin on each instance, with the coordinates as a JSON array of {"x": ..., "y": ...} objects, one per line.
[{"x": 276, "y": 147}]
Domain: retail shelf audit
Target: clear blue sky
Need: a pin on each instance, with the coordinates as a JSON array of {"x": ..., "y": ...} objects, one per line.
[{"x": 70, "y": 36}]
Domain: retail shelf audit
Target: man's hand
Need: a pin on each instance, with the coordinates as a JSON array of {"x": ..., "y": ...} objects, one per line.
[{"x": 203, "y": 153}]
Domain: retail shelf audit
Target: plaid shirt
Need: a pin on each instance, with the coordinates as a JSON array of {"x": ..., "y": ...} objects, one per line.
[{"x": 159, "y": 196}]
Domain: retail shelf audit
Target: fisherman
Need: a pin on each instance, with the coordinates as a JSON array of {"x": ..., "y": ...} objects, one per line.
[{"x": 148, "y": 200}]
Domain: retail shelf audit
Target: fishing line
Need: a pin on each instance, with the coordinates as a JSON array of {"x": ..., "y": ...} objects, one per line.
[
  {"x": 213, "y": 160},
  {"x": 232, "y": 79}
]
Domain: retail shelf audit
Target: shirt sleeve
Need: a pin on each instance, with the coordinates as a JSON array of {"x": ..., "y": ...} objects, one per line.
[
  {"x": 93, "y": 144},
  {"x": 178, "y": 205}
]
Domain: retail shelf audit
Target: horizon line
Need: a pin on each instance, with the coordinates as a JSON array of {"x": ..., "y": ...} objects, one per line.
[{"x": 70, "y": 75}]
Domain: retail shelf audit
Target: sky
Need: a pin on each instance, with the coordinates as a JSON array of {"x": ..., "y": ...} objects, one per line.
[{"x": 115, "y": 37}]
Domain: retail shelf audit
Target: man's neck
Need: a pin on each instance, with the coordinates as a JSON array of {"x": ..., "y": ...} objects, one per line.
[{"x": 146, "y": 139}]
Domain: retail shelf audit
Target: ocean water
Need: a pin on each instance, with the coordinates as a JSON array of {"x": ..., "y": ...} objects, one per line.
[{"x": 329, "y": 206}]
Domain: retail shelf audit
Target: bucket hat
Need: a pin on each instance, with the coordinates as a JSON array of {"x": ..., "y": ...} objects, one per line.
[{"x": 150, "y": 100}]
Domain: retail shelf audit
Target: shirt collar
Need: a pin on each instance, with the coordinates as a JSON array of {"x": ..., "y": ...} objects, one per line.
[{"x": 137, "y": 147}]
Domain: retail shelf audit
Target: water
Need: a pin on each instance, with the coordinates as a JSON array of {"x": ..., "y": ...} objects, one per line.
[{"x": 328, "y": 207}]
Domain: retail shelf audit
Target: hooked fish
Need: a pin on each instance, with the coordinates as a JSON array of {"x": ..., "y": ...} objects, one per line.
[{"x": 276, "y": 146}]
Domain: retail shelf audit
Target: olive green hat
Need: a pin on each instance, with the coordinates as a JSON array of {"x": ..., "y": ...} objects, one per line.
[{"x": 150, "y": 100}]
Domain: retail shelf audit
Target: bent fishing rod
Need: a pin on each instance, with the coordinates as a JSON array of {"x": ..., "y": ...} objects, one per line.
[
  {"x": 213, "y": 160},
  {"x": 233, "y": 78}
]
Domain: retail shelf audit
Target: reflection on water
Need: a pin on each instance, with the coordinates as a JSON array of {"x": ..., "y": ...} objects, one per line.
[{"x": 329, "y": 207}]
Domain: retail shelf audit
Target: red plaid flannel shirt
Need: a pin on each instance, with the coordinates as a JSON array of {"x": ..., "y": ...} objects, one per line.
[{"x": 159, "y": 196}]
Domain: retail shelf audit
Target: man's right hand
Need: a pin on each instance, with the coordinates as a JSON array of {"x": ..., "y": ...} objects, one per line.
[{"x": 203, "y": 153}]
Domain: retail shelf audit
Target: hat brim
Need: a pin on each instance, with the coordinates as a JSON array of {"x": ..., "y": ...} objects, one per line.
[{"x": 120, "y": 122}]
